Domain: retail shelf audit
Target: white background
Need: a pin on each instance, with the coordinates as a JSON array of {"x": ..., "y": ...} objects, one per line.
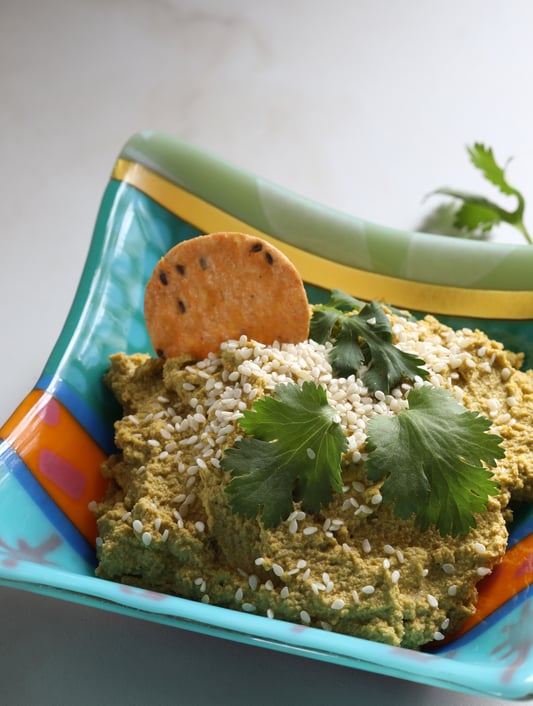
[{"x": 364, "y": 105}]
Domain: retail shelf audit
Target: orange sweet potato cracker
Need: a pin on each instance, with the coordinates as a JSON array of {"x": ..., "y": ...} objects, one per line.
[{"x": 219, "y": 286}]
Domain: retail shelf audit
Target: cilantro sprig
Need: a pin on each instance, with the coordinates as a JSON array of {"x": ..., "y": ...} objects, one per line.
[
  {"x": 477, "y": 215},
  {"x": 294, "y": 454},
  {"x": 431, "y": 459},
  {"x": 362, "y": 338}
]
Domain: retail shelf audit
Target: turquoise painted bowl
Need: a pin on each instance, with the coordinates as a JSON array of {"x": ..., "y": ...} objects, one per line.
[{"x": 162, "y": 191}]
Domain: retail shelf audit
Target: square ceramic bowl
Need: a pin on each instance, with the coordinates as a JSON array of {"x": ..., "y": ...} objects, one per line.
[{"x": 162, "y": 191}]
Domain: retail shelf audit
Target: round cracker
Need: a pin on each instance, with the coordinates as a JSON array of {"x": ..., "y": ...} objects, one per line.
[{"x": 217, "y": 287}]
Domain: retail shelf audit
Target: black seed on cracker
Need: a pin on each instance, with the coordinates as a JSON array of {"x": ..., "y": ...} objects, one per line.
[
  {"x": 257, "y": 247},
  {"x": 181, "y": 269},
  {"x": 203, "y": 263},
  {"x": 163, "y": 277},
  {"x": 160, "y": 353},
  {"x": 269, "y": 258},
  {"x": 181, "y": 306}
]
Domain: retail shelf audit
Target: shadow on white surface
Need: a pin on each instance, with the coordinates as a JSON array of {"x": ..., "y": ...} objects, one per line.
[{"x": 58, "y": 653}]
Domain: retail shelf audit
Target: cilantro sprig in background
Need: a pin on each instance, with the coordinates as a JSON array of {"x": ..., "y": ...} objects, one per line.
[{"x": 477, "y": 215}]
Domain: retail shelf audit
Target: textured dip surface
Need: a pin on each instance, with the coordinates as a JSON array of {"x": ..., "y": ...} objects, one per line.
[{"x": 166, "y": 525}]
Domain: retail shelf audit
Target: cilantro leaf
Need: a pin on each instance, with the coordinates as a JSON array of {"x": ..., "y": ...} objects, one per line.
[
  {"x": 293, "y": 455},
  {"x": 363, "y": 338},
  {"x": 477, "y": 214},
  {"x": 483, "y": 158},
  {"x": 430, "y": 457}
]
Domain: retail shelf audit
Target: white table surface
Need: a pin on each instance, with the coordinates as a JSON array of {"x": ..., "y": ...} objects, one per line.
[{"x": 365, "y": 105}]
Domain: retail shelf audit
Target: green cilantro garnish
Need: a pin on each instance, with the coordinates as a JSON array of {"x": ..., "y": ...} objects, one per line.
[
  {"x": 477, "y": 215},
  {"x": 294, "y": 454},
  {"x": 431, "y": 459},
  {"x": 363, "y": 338}
]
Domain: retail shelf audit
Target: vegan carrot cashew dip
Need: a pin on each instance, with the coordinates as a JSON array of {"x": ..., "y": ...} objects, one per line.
[{"x": 349, "y": 561}]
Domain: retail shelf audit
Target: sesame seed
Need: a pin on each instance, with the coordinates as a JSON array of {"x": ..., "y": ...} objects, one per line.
[
  {"x": 137, "y": 526},
  {"x": 448, "y": 568},
  {"x": 337, "y": 604},
  {"x": 200, "y": 526},
  {"x": 269, "y": 585},
  {"x": 305, "y": 617},
  {"x": 277, "y": 569},
  {"x": 239, "y": 595},
  {"x": 445, "y": 624},
  {"x": 366, "y": 546},
  {"x": 437, "y": 635},
  {"x": 310, "y": 453},
  {"x": 253, "y": 582},
  {"x": 368, "y": 590},
  {"x": 146, "y": 538},
  {"x": 483, "y": 571},
  {"x": 310, "y": 530},
  {"x": 395, "y": 576},
  {"x": 284, "y": 592},
  {"x": 433, "y": 602},
  {"x": 164, "y": 536},
  {"x": 479, "y": 547},
  {"x": 248, "y": 607},
  {"x": 270, "y": 613}
]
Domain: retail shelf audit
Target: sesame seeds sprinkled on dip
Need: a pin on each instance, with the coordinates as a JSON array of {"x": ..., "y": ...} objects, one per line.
[{"x": 354, "y": 568}]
